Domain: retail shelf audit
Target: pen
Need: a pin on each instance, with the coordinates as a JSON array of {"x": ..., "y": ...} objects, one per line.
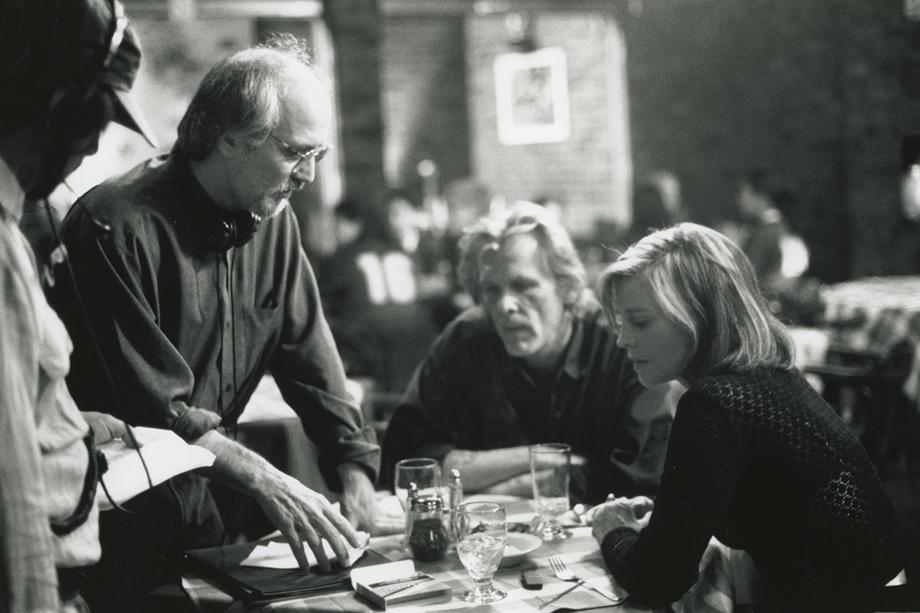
[
  {"x": 406, "y": 587},
  {"x": 422, "y": 576},
  {"x": 561, "y": 594}
]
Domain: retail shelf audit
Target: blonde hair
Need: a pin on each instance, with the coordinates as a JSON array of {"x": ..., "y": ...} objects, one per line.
[
  {"x": 706, "y": 285},
  {"x": 492, "y": 231}
]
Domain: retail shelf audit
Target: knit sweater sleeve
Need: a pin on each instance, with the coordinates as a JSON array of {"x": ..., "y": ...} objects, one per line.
[{"x": 702, "y": 468}]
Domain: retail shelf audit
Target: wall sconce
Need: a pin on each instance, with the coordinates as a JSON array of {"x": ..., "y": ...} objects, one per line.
[{"x": 519, "y": 30}]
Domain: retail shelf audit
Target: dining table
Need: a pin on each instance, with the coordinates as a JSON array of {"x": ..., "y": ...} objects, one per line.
[
  {"x": 716, "y": 591},
  {"x": 875, "y": 315}
]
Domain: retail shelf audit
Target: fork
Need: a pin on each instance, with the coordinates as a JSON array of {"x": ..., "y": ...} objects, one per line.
[{"x": 563, "y": 573}]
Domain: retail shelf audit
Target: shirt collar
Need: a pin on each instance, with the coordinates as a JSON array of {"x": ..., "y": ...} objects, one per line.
[
  {"x": 12, "y": 196},
  {"x": 202, "y": 207},
  {"x": 574, "y": 366}
]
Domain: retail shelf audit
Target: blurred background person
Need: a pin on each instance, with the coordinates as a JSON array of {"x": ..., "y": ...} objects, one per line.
[
  {"x": 370, "y": 289},
  {"x": 761, "y": 230},
  {"x": 467, "y": 199},
  {"x": 344, "y": 288},
  {"x": 656, "y": 204}
]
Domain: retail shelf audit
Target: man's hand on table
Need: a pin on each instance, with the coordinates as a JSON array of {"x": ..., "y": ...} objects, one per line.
[
  {"x": 359, "y": 503},
  {"x": 303, "y": 515},
  {"x": 620, "y": 513},
  {"x": 521, "y": 485}
]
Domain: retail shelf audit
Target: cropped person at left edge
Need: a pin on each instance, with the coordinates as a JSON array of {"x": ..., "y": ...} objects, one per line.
[
  {"x": 66, "y": 70},
  {"x": 198, "y": 286}
]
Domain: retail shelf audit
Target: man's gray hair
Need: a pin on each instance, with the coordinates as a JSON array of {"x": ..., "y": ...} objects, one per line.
[
  {"x": 242, "y": 92},
  {"x": 493, "y": 230}
]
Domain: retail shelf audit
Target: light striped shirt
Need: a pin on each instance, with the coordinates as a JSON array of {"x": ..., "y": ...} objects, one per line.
[{"x": 43, "y": 459}]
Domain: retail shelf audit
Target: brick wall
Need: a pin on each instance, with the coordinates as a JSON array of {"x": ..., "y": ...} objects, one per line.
[
  {"x": 819, "y": 94},
  {"x": 423, "y": 79},
  {"x": 810, "y": 92},
  {"x": 588, "y": 173}
]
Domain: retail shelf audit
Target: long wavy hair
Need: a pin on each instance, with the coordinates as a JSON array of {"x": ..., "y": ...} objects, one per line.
[{"x": 493, "y": 230}]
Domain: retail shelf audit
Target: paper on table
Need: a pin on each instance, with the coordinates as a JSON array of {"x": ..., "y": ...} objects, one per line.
[
  {"x": 382, "y": 572},
  {"x": 278, "y": 554},
  {"x": 165, "y": 454}
]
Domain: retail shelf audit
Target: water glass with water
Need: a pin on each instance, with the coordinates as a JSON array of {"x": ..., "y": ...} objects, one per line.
[
  {"x": 481, "y": 532},
  {"x": 549, "y": 470}
]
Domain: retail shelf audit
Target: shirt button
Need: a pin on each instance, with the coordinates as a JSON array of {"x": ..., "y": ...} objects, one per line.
[{"x": 228, "y": 388}]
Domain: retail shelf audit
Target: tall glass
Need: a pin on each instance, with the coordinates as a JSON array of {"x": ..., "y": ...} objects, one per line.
[
  {"x": 549, "y": 470},
  {"x": 481, "y": 533},
  {"x": 425, "y": 473}
]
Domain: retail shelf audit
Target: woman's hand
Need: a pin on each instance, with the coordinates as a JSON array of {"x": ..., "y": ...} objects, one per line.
[{"x": 619, "y": 513}]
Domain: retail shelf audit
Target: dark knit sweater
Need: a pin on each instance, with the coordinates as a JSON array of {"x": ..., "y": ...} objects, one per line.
[{"x": 762, "y": 463}]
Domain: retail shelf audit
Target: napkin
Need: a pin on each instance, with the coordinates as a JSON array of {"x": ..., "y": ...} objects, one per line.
[{"x": 278, "y": 554}]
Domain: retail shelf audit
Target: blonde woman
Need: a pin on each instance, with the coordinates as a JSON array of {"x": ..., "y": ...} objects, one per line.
[{"x": 756, "y": 458}]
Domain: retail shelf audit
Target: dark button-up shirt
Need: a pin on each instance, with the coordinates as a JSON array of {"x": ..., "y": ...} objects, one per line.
[
  {"x": 188, "y": 331},
  {"x": 470, "y": 394},
  {"x": 760, "y": 461}
]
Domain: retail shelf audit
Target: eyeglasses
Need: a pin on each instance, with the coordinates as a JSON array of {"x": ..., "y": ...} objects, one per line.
[{"x": 292, "y": 153}]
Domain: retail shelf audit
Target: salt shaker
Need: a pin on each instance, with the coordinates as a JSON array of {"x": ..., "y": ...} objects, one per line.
[{"x": 454, "y": 498}]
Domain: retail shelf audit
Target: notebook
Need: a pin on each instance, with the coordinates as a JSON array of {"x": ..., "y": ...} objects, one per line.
[{"x": 250, "y": 584}]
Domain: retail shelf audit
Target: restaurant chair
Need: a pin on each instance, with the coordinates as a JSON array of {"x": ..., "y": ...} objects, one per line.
[{"x": 865, "y": 388}]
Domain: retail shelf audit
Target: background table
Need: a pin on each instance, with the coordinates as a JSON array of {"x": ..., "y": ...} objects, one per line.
[{"x": 876, "y": 314}]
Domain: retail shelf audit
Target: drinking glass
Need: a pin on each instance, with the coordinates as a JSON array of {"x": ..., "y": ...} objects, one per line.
[
  {"x": 481, "y": 533},
  {"x": 549, "y": 470},
  {"x": 425, "y": 473}
]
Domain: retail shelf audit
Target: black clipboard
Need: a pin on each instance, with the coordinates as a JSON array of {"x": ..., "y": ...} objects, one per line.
[{"x": 251, "y": 584}]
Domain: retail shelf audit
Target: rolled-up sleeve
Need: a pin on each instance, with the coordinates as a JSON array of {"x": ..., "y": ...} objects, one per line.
[{"x": 116, "y": 274}]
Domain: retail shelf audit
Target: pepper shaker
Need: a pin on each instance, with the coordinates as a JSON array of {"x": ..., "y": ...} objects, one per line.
[{"x": 428, "y": 536}]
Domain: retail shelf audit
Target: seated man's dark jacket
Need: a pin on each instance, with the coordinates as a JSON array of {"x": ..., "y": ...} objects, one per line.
[
  {"x": 470, "y": 394},
  {"x": 187, "y": 330}
]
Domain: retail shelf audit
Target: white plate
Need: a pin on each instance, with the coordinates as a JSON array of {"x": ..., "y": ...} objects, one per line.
[{"x": 517, "y": 547}]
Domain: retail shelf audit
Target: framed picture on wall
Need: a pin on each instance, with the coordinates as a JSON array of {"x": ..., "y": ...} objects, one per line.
[{"x": 532, "y": 97}]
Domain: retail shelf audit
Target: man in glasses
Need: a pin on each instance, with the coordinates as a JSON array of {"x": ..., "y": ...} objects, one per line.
[
  {"x": 534, "y": 361},
  {"x": 198, "y": 285}
]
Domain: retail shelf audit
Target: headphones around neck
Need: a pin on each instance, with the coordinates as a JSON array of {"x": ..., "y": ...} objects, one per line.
[{"x": 233, "y": 230}]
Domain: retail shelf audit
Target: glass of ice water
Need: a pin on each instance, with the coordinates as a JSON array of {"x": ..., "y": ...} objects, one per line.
[
  {"x": 481, "y": 533},
  {"x": 549, "y": 469}
]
